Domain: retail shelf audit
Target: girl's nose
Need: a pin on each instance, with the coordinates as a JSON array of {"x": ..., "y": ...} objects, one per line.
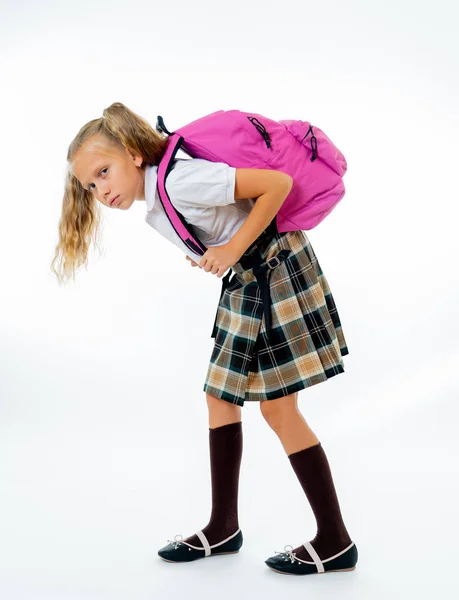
[{"x": 105, "y": 194}]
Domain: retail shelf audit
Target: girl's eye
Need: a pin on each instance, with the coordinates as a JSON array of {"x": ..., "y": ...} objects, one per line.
[{"x": 89, "y": 187}]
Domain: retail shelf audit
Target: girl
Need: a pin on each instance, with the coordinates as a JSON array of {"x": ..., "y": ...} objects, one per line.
[{"x": 277, "y": 329}]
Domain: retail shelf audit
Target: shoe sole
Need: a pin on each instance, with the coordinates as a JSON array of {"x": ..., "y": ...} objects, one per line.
[
  {"x": 302, "y": 574},
  {"x": 187, "y": 561}
]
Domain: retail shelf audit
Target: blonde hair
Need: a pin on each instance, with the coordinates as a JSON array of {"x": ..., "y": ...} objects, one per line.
[{"x": 80, "y": 220}]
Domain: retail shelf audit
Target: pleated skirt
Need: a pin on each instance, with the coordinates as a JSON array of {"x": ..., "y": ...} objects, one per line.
[{"x": 305, "y": 344}]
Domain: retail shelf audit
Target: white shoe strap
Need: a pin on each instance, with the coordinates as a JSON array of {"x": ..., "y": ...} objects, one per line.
[
  {"x": 204, "y": 542},
  {"x": 315, "y": 557}
]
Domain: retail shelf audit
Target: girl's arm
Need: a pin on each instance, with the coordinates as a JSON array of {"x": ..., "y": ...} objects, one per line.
[{"x": 270, "y": 188}]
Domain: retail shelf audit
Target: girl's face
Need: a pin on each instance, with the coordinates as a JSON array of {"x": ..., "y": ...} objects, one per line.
[{"x": 107, "y": 172}]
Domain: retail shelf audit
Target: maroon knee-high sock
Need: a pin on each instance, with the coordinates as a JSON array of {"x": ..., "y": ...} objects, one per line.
[
  {"x": 225, "y": 444},
  {"x": 313, "y": 471}
]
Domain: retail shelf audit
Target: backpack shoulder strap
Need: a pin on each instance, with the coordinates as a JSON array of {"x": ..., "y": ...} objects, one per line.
[{"x": 183, "y": 229}]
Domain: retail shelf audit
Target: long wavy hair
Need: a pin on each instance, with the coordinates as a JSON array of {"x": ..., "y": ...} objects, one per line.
[{"x": 81, "y": 215}]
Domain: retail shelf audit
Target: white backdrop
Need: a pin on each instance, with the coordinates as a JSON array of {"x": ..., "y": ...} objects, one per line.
[{"x": 103, "y": 421}]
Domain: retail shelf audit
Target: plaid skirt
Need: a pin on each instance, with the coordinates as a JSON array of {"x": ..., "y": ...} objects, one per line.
[{"x": 277, "y": 328}]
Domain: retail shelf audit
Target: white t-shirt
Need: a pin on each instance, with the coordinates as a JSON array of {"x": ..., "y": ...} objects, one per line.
[{"x": 203, "y": 192}]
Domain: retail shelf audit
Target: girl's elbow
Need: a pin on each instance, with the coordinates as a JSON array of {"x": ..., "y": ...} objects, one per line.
[{"x": 288, "y": 182}]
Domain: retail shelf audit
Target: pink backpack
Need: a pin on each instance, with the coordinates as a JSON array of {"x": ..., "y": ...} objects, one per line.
[{"x": 249, "y": 140}]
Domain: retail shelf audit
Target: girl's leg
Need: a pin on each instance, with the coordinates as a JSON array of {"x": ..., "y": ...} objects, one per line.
[
  {"x": 225, "y": 444},
  {"x": 311, "y": 466},
  {"x": 285, "y": 419},
  {"x": 222, "y": 412}
]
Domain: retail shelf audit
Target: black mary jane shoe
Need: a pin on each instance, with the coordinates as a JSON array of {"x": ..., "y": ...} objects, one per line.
[
  {"x": 288, "y": 563},
  {"x": 180, "y": 551}
]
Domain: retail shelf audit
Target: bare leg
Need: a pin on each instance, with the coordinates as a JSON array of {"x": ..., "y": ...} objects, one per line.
[
  {"x": 222, "y": 412},
  {"x": 284, "y": 417}
]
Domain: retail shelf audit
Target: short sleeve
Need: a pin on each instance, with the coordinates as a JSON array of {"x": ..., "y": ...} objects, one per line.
[{"x": 200, "y": 182}]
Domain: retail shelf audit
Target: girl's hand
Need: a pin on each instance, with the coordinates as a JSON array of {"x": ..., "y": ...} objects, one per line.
[
  {"x": 193, "y": 264},
  {"x": 218, "y": 259}
]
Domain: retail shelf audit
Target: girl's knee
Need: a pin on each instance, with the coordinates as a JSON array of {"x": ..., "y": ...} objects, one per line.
[
  {"x": 276, "y": 412},
  {"x": 222, "y": 412}
]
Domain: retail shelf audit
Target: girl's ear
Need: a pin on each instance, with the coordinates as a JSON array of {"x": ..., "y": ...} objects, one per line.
[{"x": 137, "y": 158}]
